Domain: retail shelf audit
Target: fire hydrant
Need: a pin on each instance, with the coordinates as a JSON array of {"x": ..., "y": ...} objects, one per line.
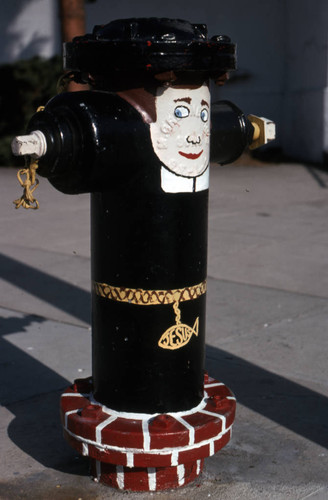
[{"x": 139, "y": 142}]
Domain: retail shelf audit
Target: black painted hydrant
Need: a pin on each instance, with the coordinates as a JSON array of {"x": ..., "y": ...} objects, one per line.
[{"x": 139, "y": 142}]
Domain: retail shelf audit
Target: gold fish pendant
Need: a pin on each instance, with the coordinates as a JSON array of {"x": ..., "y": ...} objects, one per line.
[{"x": 179, "y": 334}]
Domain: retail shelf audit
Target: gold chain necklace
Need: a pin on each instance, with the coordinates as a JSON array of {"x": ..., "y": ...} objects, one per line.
[{"x": 177, "y": 335}]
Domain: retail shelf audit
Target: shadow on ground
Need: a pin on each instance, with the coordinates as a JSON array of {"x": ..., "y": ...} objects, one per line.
[
  {"x": 36, "y": 428},
  {"x": 287, "y": 403},
  {"x": 67, "y": 297}
]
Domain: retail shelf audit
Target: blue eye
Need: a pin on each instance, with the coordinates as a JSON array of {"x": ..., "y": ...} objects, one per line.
[
  {"x": 181, "y": 112},
  {"x": 204, "y": 115}
]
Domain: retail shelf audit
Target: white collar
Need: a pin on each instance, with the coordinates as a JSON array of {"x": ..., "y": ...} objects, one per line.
[{"x": 172, "y": 183}]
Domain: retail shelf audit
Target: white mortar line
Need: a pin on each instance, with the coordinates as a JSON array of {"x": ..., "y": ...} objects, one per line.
[
  {"x": 181, "y": 474},
  {"x": 174, "y": 457},
  {"x": 85, "y": 449},
  {"x": 146, "y": 435},
  {"x": 75, "y": 395},
  {"x": 164, "y": 451},
  {"x": 151, "y": 478},
  {"x": 129, "y": 459},
  {"x": 190, "y": 428},
  {"x": 69, "y": 413},
  {"x": 101, "y": 426},
  {"x": 120, "y": 476},
  {"x": 212, "y": 414},
  {"x": 98, "y": 470}
]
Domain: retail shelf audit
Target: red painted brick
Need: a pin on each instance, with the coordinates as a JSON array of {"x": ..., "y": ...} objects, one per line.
[
  {"x": 166, "y": 432},
  {"x": 124, "y": 433}
]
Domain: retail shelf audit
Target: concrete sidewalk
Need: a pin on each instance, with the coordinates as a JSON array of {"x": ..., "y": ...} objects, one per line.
[{"x": 266, "y": 336}]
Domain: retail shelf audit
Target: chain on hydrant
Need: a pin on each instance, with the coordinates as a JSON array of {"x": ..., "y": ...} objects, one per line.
[
  {"x": 30, "y": 184},
  {"x": 64, "y": 81}
]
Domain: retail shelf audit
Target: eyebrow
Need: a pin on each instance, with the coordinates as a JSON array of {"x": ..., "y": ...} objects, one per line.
[
  {"x": 184, "y": 99},
  {"x": 205, "y": 103}
]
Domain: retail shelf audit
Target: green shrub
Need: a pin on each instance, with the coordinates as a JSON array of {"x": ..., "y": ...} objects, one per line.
[{"x": 24, "y": 86}]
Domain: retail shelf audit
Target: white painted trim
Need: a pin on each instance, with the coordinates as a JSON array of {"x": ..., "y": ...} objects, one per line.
[
  {"x": 98, "y": 469},
  {"x": 120, "y": 476},
  {"x": 163, "y": 451},
  {"x": 174, "y": 458},
  {"x": 146, "y": 435},
  {"x": 181, "y": 474},
  {"x": 221, "y": 417},
  {"x": 151, "y": 478},
  {"x": 71, "y": 412},
  {"x": 148, "y": 416},
  {"x": 101, "y": 426},
  {"x": 129, "y": 459},
  {"x": 75, "y": 394},
  {"x": 173, "y": 183},
  {"x": 190, "y": 428}
]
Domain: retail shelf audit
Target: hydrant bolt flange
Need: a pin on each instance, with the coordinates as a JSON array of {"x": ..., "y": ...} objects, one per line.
[{"x": 143, "y": 452}]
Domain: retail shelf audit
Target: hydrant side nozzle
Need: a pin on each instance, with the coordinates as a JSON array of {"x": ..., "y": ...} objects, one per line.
[
  {"x": 264, "y": 131},
  {"x": 33, "y": 144},
  {"x": 231, "y": 132}
]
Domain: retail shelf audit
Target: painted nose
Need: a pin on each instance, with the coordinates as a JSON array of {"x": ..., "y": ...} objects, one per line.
[{"x": 193, "y": 139}]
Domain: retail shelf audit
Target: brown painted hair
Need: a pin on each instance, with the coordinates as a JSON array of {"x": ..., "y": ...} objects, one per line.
[{"x": 144, "y": 99}]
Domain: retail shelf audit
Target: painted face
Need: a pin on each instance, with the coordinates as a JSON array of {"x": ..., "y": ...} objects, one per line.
[{"x": 181, "y": 133}]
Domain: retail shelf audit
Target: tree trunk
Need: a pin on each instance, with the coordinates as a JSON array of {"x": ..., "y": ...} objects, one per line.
[{"x": 72, "y": 17}]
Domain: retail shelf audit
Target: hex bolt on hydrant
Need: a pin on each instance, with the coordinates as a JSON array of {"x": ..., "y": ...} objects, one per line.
[{"x": 139, "y": 142}]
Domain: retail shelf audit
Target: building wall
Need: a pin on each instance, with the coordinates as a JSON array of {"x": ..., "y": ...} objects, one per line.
[
  {"x": 305, "y": 105},
  {"x": 282, "y": 53},
  {"x": 28, "y": 28}
]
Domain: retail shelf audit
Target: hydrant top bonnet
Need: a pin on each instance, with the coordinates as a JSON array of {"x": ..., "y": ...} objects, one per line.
[{"x": 150, "y": 45}]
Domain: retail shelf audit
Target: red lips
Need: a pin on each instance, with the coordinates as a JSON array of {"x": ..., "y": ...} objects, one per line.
[{"x": 191, "y": 156}]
